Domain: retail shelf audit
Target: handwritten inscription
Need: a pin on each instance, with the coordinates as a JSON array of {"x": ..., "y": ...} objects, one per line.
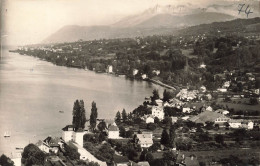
[{"x": 243, "y": 8}]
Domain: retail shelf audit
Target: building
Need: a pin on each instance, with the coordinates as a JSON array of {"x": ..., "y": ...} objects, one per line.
[
  {"x": 222, "y": 90},
  {"x": 226, "y": 84},
  {"x": 144, "y": 76},
  {"x": 149, "y": 119},
  {"x": 203, "y": 89},
  {"x": 70, "y": 134},
  {"x": 145, "y": 140},
  {"x": 50, "y": 145},
  {"x": 156, "y": 72},
  {"x": 235, "y": 123},
  {"x": 209, "y": 108},
  {"x": 135, "y": 71},
  {"x": 110, "y": 69},
  {"x": 209, "y": 116},
  {"x": 240, "y": 123},
  {"x": 174, "y": 119},
  {"x": 159, "y": 102},
  {"x": 224, "y": 112},
  {"x": 113, "y": 132},
  {"x": 157, "y": 111},
  {"x": 186, "y": 110}
]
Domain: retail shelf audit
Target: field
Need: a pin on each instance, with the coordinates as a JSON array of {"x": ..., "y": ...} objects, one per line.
[{"x": 207, "y": 156}]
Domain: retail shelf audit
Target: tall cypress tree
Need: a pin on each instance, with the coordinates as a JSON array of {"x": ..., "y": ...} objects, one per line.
[
  {"x": 118, "y": 117},
  {"x": 124, "y": 115},
  {"x": 165, "y": 138},
  {"x": 93, "y": 116},
  {"x": 172, "y": 137},
  {"x": 82, "y": 114},
  {"x": 79, "y": 116}
]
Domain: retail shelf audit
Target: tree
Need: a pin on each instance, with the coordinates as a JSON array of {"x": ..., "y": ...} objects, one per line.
[
  {"x": 124, "y": 115},
  {"x": 209, "y": 125},
  {"x": 172, "y": 137},
  {"x": 155, "y": 146},
  {"x": 155, "y": 96},
  {"x": 79, "y": 117},
  {"x": 32, "y": 155},
  {"x": 93, "y": 116},
  {"x": 149, "y": 157},
  {"x": 102, "y": 126},
  {"x": 71, "y": 152},
  {"x": 166, "y": 95},
  {"x": 6, "y": 161},
  {"x": 165, "y": 137},
  {"x": 118, "y": 117},
  {"x": 151, "y": 126},
  {"x": 219, "y": 139},
  {"x": 106, "y": 153},
  {"x": 122, "y": 131},
  {"x": 253, "y": 101},
  {"x": 156, "y": 120},
  {"x": 169, "y": 157},
  {"x": 143, "y": 155}
]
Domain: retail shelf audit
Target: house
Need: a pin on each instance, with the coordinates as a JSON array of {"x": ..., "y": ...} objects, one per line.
[
  {"x": 241, "y": 123},
  {"x": 16, "y": 158},
  {"x": 70, "y": 134},
  {"x": 110, "y": 69},
  {"x": 50, "y": 145},
  {"x": 141, "y": 163},
  {"x": 185, "y": 118},
  {"x": 175, "y": 102},
  {"x": 202, "y": 66},
  {"x": 159, "y": 102},
  {"x": 145, "y": 140},
  {"x": 135, "y": 71},
  {"x": 156, "y": 72},
  {"x": 209, "y": 108},
  {"x": 149, "y": 119},
  {"x": 42, "y": 146},
  {"x": 157, "y": 111},
  {"x": 222, "y": 90},
  {"x": 144, "y": 76},
  {"x": 186, "y": 110},
  {"x": 186, "y": 95},
  {"x": 174, "y": 119},
  {"x": 210, "y": 116},
  {"x": 224, "y": 112},
  {"x": 203, "y": 89},
  {"x": 226, "y": 84},
  {"x": 235, "y": 123},
  {"x": 113, "y": 132}
]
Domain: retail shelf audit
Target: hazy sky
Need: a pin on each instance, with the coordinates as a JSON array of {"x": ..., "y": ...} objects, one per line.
[{"x": 31, "y": 21}]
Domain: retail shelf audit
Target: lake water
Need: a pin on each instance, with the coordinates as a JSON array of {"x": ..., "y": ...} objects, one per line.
[{"x": 32, "y": 92}]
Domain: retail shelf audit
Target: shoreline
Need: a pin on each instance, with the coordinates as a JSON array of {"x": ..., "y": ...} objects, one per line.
[{"x": 156, "y": 82}]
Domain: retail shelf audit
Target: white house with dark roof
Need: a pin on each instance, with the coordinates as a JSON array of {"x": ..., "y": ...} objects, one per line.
[
  {"x": 70, "y": 134},
  {"x": 209, "y": 116},
  {"x": 157, "y": 111},
  {"x": 113, "y": 131},
  {"x": 145, "y": 140}
]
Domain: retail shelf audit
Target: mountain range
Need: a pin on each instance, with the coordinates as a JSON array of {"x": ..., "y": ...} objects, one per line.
[{"x": 159, "y": 20}]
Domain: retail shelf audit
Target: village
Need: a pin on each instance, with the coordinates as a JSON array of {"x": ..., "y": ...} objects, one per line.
[
  {"x": 176, "y": 129},
  {"x": 207, "y": 115}
]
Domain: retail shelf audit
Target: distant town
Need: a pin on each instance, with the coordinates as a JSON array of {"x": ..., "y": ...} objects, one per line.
[{"x": 208, "y": 113}]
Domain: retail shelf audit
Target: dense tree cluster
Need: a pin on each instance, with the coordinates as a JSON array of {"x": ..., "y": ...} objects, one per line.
[{"x": 79, "y": 117}]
